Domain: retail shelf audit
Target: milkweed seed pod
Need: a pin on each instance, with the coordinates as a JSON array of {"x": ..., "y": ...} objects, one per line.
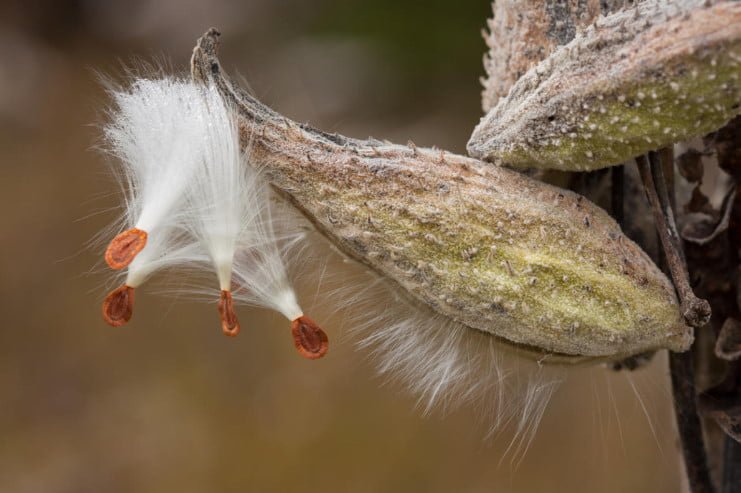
[
  {"x": 635, "y": 80},
  {"x": 535, "y": 266}
]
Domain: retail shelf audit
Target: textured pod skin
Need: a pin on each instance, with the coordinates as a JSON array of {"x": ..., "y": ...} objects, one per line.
[
  {"x": 534, "y": 265},
  {"x": 634, "y": 81},
  {"x": 523, "y": 32}
]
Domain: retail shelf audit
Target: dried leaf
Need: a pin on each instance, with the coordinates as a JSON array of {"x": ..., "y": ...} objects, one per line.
[
  {"x": 690, "y": 165},
  {"x": 723, "y": 402},
  {"x": 727, "y": 144},
  {"x": 701, "y": 229},
  {"x": 699, "y": 203},
  {"x": 728, "y": 344}
]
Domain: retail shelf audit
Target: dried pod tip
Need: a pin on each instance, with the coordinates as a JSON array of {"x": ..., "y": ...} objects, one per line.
[
  {"x": 229, "y": 321},
  {"x": 118, "y": 306},
  {"x": 310, "y": 340},
  {"x": 124, "y": 247}
]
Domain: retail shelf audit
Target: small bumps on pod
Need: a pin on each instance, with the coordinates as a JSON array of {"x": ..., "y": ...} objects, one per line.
[{"x": 634, "y": 81}]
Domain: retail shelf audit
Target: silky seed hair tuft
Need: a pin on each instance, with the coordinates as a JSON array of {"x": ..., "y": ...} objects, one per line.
[
  {"x": 220, "y": 207},
  {"x": 259, "y": 268},
  {"x": 444, "y": 364},
  {"x": 228, "y": 211},
  {"x": 156, "y": 134}
]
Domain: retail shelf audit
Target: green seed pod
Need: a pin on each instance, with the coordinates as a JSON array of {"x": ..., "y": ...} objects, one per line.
[
  {"x": 634, "y": 81},
  {"x": 538, "y": 267}
]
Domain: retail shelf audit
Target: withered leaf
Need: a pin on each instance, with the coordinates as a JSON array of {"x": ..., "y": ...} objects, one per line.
[
  {"x": 701, "y": 229},
  {"x": 689, "y": 164},
  {"x": 728, "y": 344}
]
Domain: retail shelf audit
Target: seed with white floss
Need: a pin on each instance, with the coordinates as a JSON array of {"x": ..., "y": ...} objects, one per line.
[
  {"x": 168, "y": 248},
  {"x": 156, "y": 134},
  {"x": 220, "y": 205},
  {"x": 260, "y": 272},
  {"x": 228, "y": 211},
  {"x": 183, "y": 171}
]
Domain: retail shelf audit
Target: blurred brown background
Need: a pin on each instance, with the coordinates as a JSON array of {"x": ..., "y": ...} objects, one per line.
[{"x": 169, "y": 404}]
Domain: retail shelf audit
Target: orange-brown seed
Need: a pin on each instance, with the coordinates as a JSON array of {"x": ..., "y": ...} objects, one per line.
[
  {"x": 229, "y": 321},
  {"x": 118, "y": 306},
  {"x": 124, "y": 247},
  {"x": 310, "y": 340}
]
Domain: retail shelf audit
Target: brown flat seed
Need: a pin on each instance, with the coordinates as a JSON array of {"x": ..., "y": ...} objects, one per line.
[
  {"x": 229, "y": 321},
  {"x": 118, "y": 306},
  {"x": 311, "y": 341},
  {"x": 124, "y": 247}
]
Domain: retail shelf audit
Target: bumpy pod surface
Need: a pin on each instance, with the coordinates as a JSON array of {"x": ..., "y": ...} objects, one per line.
[
  {"x": 634, "y": 81},
  {"x": 521, "y": 33},
  {"x": 534, "y": 265}
]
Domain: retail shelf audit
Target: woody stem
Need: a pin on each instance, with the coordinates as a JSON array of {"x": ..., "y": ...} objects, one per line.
[{"x": 696, "y": 312}]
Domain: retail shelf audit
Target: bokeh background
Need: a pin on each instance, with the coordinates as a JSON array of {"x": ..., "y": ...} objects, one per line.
[{"x": 167, "y": 404}]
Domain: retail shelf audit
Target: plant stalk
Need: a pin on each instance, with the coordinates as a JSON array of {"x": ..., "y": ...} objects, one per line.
[{"x": 697, "y": 313}]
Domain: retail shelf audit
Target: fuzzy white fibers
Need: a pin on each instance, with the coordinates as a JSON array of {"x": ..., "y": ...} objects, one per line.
[
  {"x": 168, "y": 247},
  {"x": 156, "y": 132},
  {"x": 221, "y": 208},
  {"x": 260, "y": 268},
  {"x": 188, "y": 185},
  {"x": 444, "y": 363},
  {"x": 228, "y": 211}
]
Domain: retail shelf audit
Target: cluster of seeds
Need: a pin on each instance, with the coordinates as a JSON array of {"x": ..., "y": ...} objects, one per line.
[{"x": 194, "y": 199}]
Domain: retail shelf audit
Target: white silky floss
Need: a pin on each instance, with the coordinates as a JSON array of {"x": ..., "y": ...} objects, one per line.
[
  {"x": 261, "y": 274},
  {"x": 229, "y": 212},
  {"x": 220, "y": 208},
  {"x": 184, "y": 171},
  {"x": 156, "y": 133}
]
